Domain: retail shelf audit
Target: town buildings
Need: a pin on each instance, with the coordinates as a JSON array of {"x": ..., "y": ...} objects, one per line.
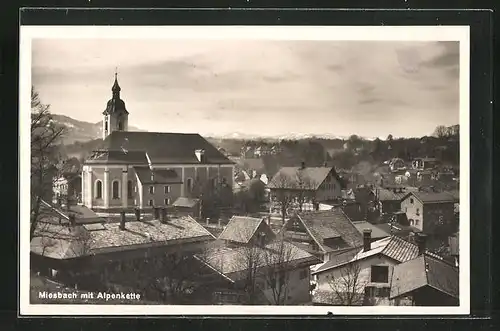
[
  {"x": 322, "y": 233},
  {"x": 147, "y": 169},
  {"x": 304, "y": 187},
  {"x": 390, "y": 271}
]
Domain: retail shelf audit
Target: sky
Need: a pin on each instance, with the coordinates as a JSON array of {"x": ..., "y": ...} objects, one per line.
[{"x": 257, "y": 87}]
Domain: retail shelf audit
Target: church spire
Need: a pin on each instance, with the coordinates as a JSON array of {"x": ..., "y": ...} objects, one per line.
[{"x": 116, "y": 88}]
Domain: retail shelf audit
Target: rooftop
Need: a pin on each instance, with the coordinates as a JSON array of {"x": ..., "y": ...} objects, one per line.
[
  {"x": 164, "y": 148},
  {"x": 393, "y": 247},
  {"x": 157, "y": 176},
  {"x": 331, "y": 223},
  {"x": 308, "y": 178},
  {"x": 377, "y": 232},
  {"x": 231, "y": 262},
  {"x": 433, "y": 197},
  {"x": 241, "y": 229},
  {"x": 423, "y": 271},
  {"x": 60, "y": 241}
]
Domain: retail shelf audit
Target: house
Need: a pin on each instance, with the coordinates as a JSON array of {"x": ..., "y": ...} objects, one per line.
[
  {"x": 188, "y": 206},
  {"x": 150, "y": 169},
  {"x": 322, "y": 233},
  {"x": 425, "y": 281},
  {"x": 274, "y": 273},
  {"x": 302, "y": 185},
  {"x": 98, "y": 255},
  {"x": 389, "y": 198},
  {"x": 369, "y": 267},
  {"x": 430, "y": 212},
  {"x": 244, "y": 230},
  {"x": 68, "y": 186},
  {"x": 425, "y": 163},
  {"x": 397, "y": 164}
]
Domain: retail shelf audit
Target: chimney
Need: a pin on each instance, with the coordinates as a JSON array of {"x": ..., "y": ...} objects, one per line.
[
  {"x": 163, "y": 215},
  {"x": 137, "y": 214},
  {"x": 200, "y": 155},
  {"x": 218, "y": 222},
  {"x": 122, "y": 220},
  {"x": 72, "y": 219},
  {"x": 421, "y": 239},
  {"x": 302, "y": 165},
  {"x": 207, "y": 221},
  {"x": 367, "y": 239}
]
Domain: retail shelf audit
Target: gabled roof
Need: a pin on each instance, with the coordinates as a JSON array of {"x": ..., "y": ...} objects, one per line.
[
  {"x": 241, "y": 229},
  {"x": 331, "y": 223},
  {"x": 60, "y": 241},
  {"x": 432, "y": 197},
  {"x": 118, "y": 156},
  {"x": 165, "y": 148},
  {"x": 159, "y": 176},
  {"x": 308, "y": 178},
  {"x": 232, "y": 262},
  {"x": 423, "y": 271},
  {"x": 392, "y": 247}
]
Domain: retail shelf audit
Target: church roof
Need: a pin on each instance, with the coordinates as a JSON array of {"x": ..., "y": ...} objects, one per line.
[
  {"x": 115, "y": 104},
  {"x": 157, "y": 176},
  {"x": 164, "y": 148}
]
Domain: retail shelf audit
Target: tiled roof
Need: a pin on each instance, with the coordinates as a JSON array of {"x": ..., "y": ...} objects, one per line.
[
  {"x": 160, "y": 176},
  {"x": 118, "y": 156},
  {"x": 392, "y": 247},
  {"x": 377, "y": 232},
  {"x": 230, "y": 262},
  {"x": 50, "y": 213},
  {"x": 309, "y": 178},
  {"x": 67, "y": 242},
  {"x": 185, "y": 202},
  {"x": 433, "y": 197},
  {"x": 165, "y": 147},
  {"x": 331, "y": 223},
  {"x": 389, "y": 195},
  {"x": 240, "y": 229},
  {"x": 423, "y": 271}
]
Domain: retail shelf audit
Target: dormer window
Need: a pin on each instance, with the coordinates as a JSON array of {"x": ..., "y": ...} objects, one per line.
[{"x": 200, "y": 155}]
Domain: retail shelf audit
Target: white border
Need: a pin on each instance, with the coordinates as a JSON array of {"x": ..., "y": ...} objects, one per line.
[{"x": 400, "y": 33}]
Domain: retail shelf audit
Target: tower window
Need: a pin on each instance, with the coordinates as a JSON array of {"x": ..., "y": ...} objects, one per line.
[
  {"x": 120, "y": 125},
  {"x": 106, "y": 125},
  {"x": 189, "y": 184}
]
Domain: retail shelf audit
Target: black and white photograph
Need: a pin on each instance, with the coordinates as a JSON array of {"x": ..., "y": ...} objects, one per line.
[{"x": 244, "y": 170}]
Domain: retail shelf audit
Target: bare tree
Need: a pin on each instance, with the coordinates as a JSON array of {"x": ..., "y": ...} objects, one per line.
[
  {"x": 277, "y": 259},
  {"x": 283, "y": 195},
  {"x": 348, "y": 287},
  {"x": 441, "y": 131},
  {"x": 305, "y": 189},
  {"x": 45, "y": 157}
]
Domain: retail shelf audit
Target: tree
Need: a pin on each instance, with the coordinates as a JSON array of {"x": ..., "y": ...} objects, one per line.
[
  {"x": 305, "y": 189},
  {"x": 441, "y": 131},
  {"x": 277, "y": 259},
  {"x": 348, "y": 287},
  {"x": 46, "y": 162},
  {"x": 389, "y": 138},
  {"x": 282, "y": 196}
]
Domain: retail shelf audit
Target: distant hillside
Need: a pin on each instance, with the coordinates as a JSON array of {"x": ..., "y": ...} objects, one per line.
[{"x": 81, "y": 131}]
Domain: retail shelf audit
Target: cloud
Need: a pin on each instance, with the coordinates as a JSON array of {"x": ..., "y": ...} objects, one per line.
[{"x": 268, "y": 87}]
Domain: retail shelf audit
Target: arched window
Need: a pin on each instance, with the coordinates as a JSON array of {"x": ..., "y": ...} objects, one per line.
[
  {"x": 116, "y": 189},
  {"x": 120, "y": 125},
  {"x": 189, "y": 184},
  {"x": 130, "y": 189},
  {"x": 98, "y": 189}
]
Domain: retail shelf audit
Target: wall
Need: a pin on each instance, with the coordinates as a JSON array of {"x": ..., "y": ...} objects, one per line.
[
  {"x": 363, "y": 275},
  {"x": 330, "y": 189},
  {"x": 297, "y": 289},
  {"x": 414, "y": 210},
  {"x": 432, "y": 213},
  {"x": 159, "y": 194}
]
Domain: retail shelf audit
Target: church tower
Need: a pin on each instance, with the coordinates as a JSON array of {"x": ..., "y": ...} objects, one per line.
[{"x": 115, "y": 115}]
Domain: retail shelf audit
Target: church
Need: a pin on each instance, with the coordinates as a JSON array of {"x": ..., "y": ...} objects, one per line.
[{"x": 149, "y": 169}]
